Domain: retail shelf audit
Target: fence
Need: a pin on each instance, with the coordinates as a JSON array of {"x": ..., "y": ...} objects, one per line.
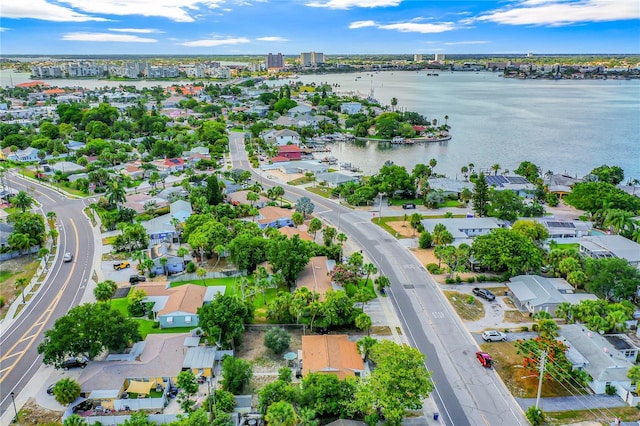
[
  {"x": 196, "y": 277},
  {"x": 14, "y": 254}
]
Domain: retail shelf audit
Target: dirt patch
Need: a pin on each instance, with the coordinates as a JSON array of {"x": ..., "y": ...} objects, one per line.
[
  {"x": 516, "y": 316},
  {"x": 12, "y": 270},
  {"x": 33, "y": 414},
  {"x": 466, "y": 311}
]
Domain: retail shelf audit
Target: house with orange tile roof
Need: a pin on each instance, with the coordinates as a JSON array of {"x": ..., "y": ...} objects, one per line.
[
  {"x": 32, "y": 84},
  {"x": 290, "y": 231},
  {"x": 331, "y": 354},
  {"x": 274, "y": 217},
  {"x": 315, "y": 276},
  {"x": 54, "y": 92},
  {"x": 240, "y": 197},
  {"x": 177, "y": 306}
]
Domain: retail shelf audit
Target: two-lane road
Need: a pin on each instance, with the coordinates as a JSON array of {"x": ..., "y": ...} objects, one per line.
[
  {"x": 62, "y": 290},
  {"x": 465, "y": 393}
]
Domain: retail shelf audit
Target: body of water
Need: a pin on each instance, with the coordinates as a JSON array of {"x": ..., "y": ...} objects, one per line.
[{"x": 565, "y": 126}]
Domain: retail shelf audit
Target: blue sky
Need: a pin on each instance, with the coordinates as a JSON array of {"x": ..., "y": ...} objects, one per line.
[{"x": 225, "y": 27}]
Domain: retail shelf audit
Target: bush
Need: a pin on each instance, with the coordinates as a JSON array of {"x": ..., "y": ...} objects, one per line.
[
  {"x": 471, "y": 280},
  {"x": 610, "y": 390},
  {"x": 155, "y": 325},
  {"x": 458, "y": 279},
  {"x": 191, "y": 267},
  {"x": 449, "y": 281},
  {"x": 426, "y": 240},
  {"x": 277, "y": 339},
  {"x": 481, "y": 278},
  {"x": 433, "y": 268},
  {"x": 1, "y": 302},
  {"x": 470, "y": 300},
  {"x": 524, "y": 328}
]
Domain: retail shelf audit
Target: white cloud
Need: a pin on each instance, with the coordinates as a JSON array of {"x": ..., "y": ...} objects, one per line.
[
  {"x": 348, "y": 4},
  {"x": 134, "y": 30},
  {"x": 216, "y": 42},
  {"x": 272, "y": 38},
  {"x": 563, "y": 12},
  {"x": 3, "y": 29},
  {"x": 175, "y": 10},
  {"x": 40, "y": 9},
  {"x": 107, "y": 37},
  {"x": 363, "y": 24},
  {"x": 454, "y": 43}
]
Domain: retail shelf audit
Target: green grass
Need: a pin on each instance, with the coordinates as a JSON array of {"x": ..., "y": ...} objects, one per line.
[
  {"x": 450, "y": 203},
  {"x": 351, "y": 289},
  {"x": 208, "y": 282},
  {"x": 399, "y": 202},
  {"x": 323, "y": 192},
  {"x": 300, "y": 181},
  {"x": 572, "y": 246},
  {"x": 4, "y": 275}
]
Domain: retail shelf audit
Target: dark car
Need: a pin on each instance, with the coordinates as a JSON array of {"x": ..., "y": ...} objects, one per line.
[
  {"x": 74, "y": 363},
  {"x": 50, "y": 389},
  {"x": 133, "y": 279},
  {"x": 484, "y": 293},
  {"x": 408, "y": 206}
]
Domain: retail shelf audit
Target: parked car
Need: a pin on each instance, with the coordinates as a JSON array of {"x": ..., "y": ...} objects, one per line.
[
  {"x": 68, "y": 257},
  {"x": 408, "y": 206},
  {"x": 484, "y": 293},
  {"x": 485, "y": 359},
  {"x": 121, "y": 265},
  {"x": 494, "y": 336},
  {"x": 50, "y": 389},
  {"x": 78, "y": 361},
  {"x": 133, "y": 279}
]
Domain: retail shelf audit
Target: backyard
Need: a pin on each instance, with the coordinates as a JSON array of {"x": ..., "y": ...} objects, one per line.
[{"x": 12, "y": 270}]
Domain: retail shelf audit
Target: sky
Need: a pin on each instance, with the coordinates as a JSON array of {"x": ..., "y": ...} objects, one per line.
[{"x": 256, "y": 27}]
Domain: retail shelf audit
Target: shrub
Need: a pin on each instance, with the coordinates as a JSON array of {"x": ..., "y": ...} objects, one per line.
[
  {"x": 610, "y": 390},
  {"x": 1, "y": 302},
  {"x": 277, "y": 339},
  {"x": 425, "y": 240},
  {"x": 470, "y": 300},
  {"x": 191, "y": 267},
  {"x": 471, "y": 280},
  {"x": 481, "y": 278},
  {"x": 155, "y": 325},
  {"x": 524, "y": 328},
  {"x": 458, "y": 279},
  {"x": 449, "y": 281},
  {"x": 433, "y": 268}
]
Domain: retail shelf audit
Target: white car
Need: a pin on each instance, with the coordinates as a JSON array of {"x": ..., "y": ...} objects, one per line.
[
  {"x": 494, "y": 336},
  {"x": 68, "y": 257}
]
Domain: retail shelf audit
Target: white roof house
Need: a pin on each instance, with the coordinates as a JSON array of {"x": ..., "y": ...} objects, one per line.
[
  {"x": 533, "y": 293},
  {"x": 561, "y": 228},
  {"x": 464, "y": 229},
  {"x": 599, "y": 246}
]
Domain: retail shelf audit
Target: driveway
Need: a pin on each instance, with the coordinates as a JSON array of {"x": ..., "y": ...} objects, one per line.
[{"x": 121, "y": 276}]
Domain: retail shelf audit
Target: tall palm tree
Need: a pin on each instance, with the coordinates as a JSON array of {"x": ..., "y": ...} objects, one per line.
[
  {"x": 495, "y": 168},
  {"x": 116, "y": 193},
  {"x": 19, "y": 241},
  {"x": 394, "y": 103},
  {"x": 21, "y": 283},
  {"x": 369, "y": 268}
]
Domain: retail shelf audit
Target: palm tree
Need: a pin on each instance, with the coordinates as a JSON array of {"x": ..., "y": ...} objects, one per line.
[
  {"x": 22, "y": 201},
  {"x": 182, "y": 252},
  {"x": 116, "y": 194},
  {"x": 163, "y": 262},
  {"x": 252, "y": 197},
  {"x": 618, "y": 220},
  {"x": 394, "y": 103},
  {"x": 370, "y": 269},
  {"x": 21, "y": 283},
  {"x": 201, "y": 272},
  {"x": 432, "y": 163},
  {"x": 53, "y": 234},
  {"x": 495, "y": 168},
  {"x": 446, "y": 119},
  {"x": 105, "y": 290},
  {"x": 363, "y": 322},
  {"x": 51, "y": 218},
  {"x": 19, "y": 241},
  {"x": 465, "y": 172}
]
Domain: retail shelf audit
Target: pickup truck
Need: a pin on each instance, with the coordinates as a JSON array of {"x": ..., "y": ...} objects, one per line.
[{"x": 484, "y": 293}]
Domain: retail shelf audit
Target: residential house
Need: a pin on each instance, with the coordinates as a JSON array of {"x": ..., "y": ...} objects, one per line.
[
  {"x": 284, "y": 120},
  {"x": 175, "y": 264},
  {"x": 449, "y": 186},
  {"x": 304, "y": 166},
  {"x": 282, "y": 137},
  {"x": 5, "y": 230},
  {"x": 331, "y": 354},
  {"x": 274, "y": 217},
  {"x": 533, "y": 293},
  {"x": 63, "y": 167},
  {"x": 334, "y": 179},
  {"x": 599, "y": 246},
  {"x": 517, "y": 184},
  {"x": 290, "y": 231},
  {"x": 300, "y": 109},
  {"x": 291, "y": 152},
  {"x": 177, "y": 306},
  {"x": 315, "y": 276},
  {"x": 350, "y": 107},
  {"x": 138, "y": 202},
  {"x": 75, "y": 146},
  {"x": 170, "y": 165},
  {"x": 560, "y": 184},
  {"x": 200, "y": 360},
  {"x": 240, "y": 197},
  {"x": 591, "y": 352},
  {"x": 562, "y": 228},
  {"x": 161, "y": 229},
  {"x": 180, "y": 210},
  {"x": 464, "y": 229},
  {"x": 26, "y": 155}
]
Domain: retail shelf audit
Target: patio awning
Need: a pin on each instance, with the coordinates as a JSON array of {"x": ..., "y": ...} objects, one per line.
[{"x": 140, "y": 387}]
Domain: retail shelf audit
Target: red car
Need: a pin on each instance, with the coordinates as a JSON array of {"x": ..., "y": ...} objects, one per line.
[{"x": 485, "y": 359}]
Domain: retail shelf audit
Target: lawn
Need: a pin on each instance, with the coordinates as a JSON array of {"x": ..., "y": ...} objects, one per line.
[
  {"x": 351, "y": 289},
  {"x": 228, "y": 282},
  {"x": 4, "y": 275},
  {"x": 602, "y": 416},
  {"x": 301, "y": 181},
  {"x": 570, "y": 246},
  {"x": 520, "y": 382},
  {"x": 467, "y": 311},
  {"x": 318, "y": 190},
  {"x": 145, "y": 326}
]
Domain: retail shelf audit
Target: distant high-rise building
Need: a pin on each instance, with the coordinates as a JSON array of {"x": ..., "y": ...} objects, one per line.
[
  {"x": 530, "y": 55},
  {"x": 275, "y": 60},
  {"x": 417, "y": 57},
  {"x": 439, "y": 57},
  {"x": 308, "y": 59}
]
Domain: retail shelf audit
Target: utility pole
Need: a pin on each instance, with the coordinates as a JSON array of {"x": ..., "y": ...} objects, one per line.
[{"x": 543, "y": 358}]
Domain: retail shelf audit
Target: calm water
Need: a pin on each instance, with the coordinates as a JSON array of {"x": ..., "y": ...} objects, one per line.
[{"x": 563, "y": 126}]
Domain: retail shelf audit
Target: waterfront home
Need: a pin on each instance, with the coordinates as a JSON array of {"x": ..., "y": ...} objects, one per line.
[
  {"x": 291, "y": 152},
  {"x": 517, "y": 184},
  {"x": 599, "y": 246},
  {"x": 282, "y": 137},
  {"x": 350, "y": 107},
  {"x": 449, "y": 186},
  {"x": 560, "y": 184},
  {"x": 334, "y": 179},
  {"x": 562, "y": 228},
  {"x": 533, "y": 293}
]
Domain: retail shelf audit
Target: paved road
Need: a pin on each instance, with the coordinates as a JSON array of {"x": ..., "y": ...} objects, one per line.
[
  {"x": 62, "y": 290},
  {"x": 465, "y": 393}
]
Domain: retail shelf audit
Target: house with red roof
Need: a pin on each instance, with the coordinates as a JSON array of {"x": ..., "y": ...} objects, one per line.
[{"x": 292, "y": 152}]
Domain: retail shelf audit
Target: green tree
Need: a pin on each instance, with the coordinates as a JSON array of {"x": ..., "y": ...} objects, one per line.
[
  {"x": 23, "y": 201},
  {"x": 87, "y": 330},
  {"x": 612, "y": 278},
  {"x": 365, "y": 346},
  {"x": 274, "y": 392},
  {"x": 535, "y": 416},
  {"x": 634, "y": 375},
  {"x": 533, "y": 230},
  {"x": 66, "y": 390},
  {"x": 613, "y": 175},
  {"x": 327, "y": 395},
  {"x": 105, "y": 290},
  {"x": 223, "y": 319},
  {"x": 382, "y": 282},
  {"x": 363, "y": 322},
  {"x": 277, "y": 339},
  {"x": 74, "y": 420},
  {"x": 304, "y": 206},
  {"x": 116, "y": 193},
  {"x": 281, "y": 413},
  {"x": 288, "y": 256},
  {"x": 21, "y": 283},
  {"x": 505, "y": 250},
  {"x": 314, "y": 226},
  {"x": 416, "y": 223},
  {"x": 399, "y": 382},
  {"x": 328, "y": 235},
  {"x": 297, "y": 218},
  {"x": 529, "y": 171},
  {"x": 480, "y": 196},
  {"x": 188, "y": 385},
  {"x": 236, "y": 374}
]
